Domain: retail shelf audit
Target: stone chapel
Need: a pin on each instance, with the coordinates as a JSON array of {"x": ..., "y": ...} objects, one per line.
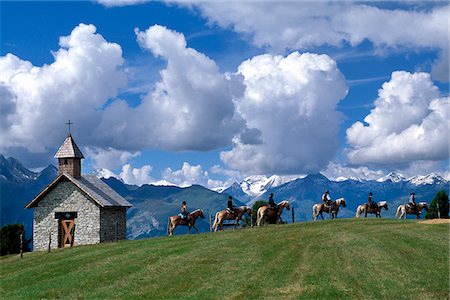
[{"x": 76, "y": 209}]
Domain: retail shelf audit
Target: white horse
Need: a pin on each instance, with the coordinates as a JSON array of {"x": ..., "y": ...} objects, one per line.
[
  {"x": 363, "y": 207},
  {"x": 403, "y": 209},
  {"x": 319, "y": 208}
]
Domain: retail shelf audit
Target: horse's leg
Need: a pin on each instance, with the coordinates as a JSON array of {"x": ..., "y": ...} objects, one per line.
[
  {"x": 195, "y": 228},
  {"x": 172, "y": 227},
  {"x": 321, "y": 215}
]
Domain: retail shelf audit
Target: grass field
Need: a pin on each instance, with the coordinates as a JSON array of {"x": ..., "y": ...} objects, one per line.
[{"x": 359, "y": 259}]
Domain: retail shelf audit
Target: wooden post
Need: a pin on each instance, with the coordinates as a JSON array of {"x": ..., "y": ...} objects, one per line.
[
  {"x": 49, "y": 241},
  {"x": 210, "y": 223},
  {"x": 439, "y": 212},
  {"x": 168, "y": 221},
  {"x": 117, "y": 231},
  {"x": 406, "y": 212},
  {"x": 21, "y": 245},
  {"x": 293, "y": 219}
]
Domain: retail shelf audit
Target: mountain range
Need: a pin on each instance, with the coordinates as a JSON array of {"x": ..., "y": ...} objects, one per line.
[
  {"x": 304, "y": 192},
  {"x": 152, "y": 205}
]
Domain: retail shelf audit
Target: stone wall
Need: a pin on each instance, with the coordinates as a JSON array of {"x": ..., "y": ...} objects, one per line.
[
  {"x": 108, "y": 218},
  {"x": 65, "y": 197}
]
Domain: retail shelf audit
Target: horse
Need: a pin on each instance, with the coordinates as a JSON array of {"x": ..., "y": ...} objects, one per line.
[
  {"x": 265, "y": 213},
  {"x": 174, "y": 221},
  {"x": 406, "y": 209},
  {"x": 227, "y": 215},
  {"x": 319, "y": 208},
  {"x": 363, "y": 209}
]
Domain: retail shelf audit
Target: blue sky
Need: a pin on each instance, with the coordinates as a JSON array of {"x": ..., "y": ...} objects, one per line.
[{"x": 292, "y": 120}]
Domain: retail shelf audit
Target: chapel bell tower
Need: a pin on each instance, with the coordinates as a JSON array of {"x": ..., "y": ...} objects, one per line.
[{"x": 69, "y": 158}]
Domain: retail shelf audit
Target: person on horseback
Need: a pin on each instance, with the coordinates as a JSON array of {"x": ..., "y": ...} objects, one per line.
[
  {"x": 230, "y": 207},
  {"x": 184, "y": 212},
  {"x": 272, "y": 203},
  {"x": 326, "y": 199},
  {"x": 370, "y": 203},
  {"x": 412, "y": 203}
]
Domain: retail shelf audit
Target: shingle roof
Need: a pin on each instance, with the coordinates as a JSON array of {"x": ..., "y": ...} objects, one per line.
[
  {"x": 93, "y": 187},
  {"x": 101, "y": 192},
  {"x": 69, "y": 149}
]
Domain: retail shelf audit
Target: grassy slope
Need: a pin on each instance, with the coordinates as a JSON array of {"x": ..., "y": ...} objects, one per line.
[{"x": 331, "y": 259}]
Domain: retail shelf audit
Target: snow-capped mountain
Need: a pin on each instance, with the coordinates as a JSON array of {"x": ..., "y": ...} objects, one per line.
[
  {"x": 394, "y": 177},
  {"x": 257, "y": 185},
  {"x": 105, "y": 173},
  {"x": 164, "y": 182},
  {"x": 431, "y": 178}
]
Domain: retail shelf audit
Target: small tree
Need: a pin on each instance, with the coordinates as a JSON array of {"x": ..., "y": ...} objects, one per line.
[
  {"x": 10, "y": 239},
  {"x": 441, "y": 198}
]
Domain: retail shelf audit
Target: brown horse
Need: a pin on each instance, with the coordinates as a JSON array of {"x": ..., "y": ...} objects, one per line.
[
  {"x": 174, "y": 221},
  {"x": 267, "y": 214},
  {"x": 227, "y": 215},
  {"x": 319, "y": 208},
  {"x": 403, "y": 209},
  {"x": 363, "y": 209}
]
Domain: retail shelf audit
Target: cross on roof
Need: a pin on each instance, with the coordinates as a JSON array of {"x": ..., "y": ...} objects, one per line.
[{"x": 69, "y": 123}]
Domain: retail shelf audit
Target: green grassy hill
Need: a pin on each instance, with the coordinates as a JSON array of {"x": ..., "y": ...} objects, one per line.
[{"x": 332, "y": 259}]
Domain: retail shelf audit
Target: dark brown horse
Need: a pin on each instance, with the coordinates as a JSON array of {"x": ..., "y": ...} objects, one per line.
[
  {"x": 266, "y": 214},
  {"x": 174, "y": 221},
  {"x": 319, "y": 208}
]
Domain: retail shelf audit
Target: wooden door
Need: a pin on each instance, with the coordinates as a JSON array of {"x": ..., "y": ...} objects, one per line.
[{"x": 66, "y": 232}]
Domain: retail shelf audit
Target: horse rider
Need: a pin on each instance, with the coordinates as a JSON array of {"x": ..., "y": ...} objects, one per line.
[
  {"x": 412, "y": 202},
  {"x": 230, "y": 207},
  {"x": 184, "y": 212},
  {"x": 370, "y": 204},
  {"x": 272, "y": 204},
  {"x": 326, "y": 199}
]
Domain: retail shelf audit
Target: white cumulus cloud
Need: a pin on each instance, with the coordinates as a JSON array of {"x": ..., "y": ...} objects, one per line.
[
  {"x": 187, "y": 175},
  {"x": 136, "y": 176},
  {"x": 291, "y": 101},
  {"x": 191, "y": 107},
  {"x": 108, "y": 158},
  {"x": 306, "y": 24},
  {"x": 86, "y": 72},
  {"x": 410, "y": 122}
]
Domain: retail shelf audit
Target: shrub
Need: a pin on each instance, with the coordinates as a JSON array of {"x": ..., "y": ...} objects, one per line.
[
  {"x": 10, "y": 239},
  {"x": 441, "y": 198}
]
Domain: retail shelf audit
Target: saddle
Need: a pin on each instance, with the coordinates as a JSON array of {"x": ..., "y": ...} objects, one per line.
[{"x": 411, "y": 206}]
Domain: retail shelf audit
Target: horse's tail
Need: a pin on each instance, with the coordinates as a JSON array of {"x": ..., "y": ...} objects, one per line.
[
  {"x": 216, "y": 220},
  {"x": 259, "y": 217},
  {"x": 358, "y": 211},
  {"x": 314, "y": 208},
  {"x": 397, "y": 214}
]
